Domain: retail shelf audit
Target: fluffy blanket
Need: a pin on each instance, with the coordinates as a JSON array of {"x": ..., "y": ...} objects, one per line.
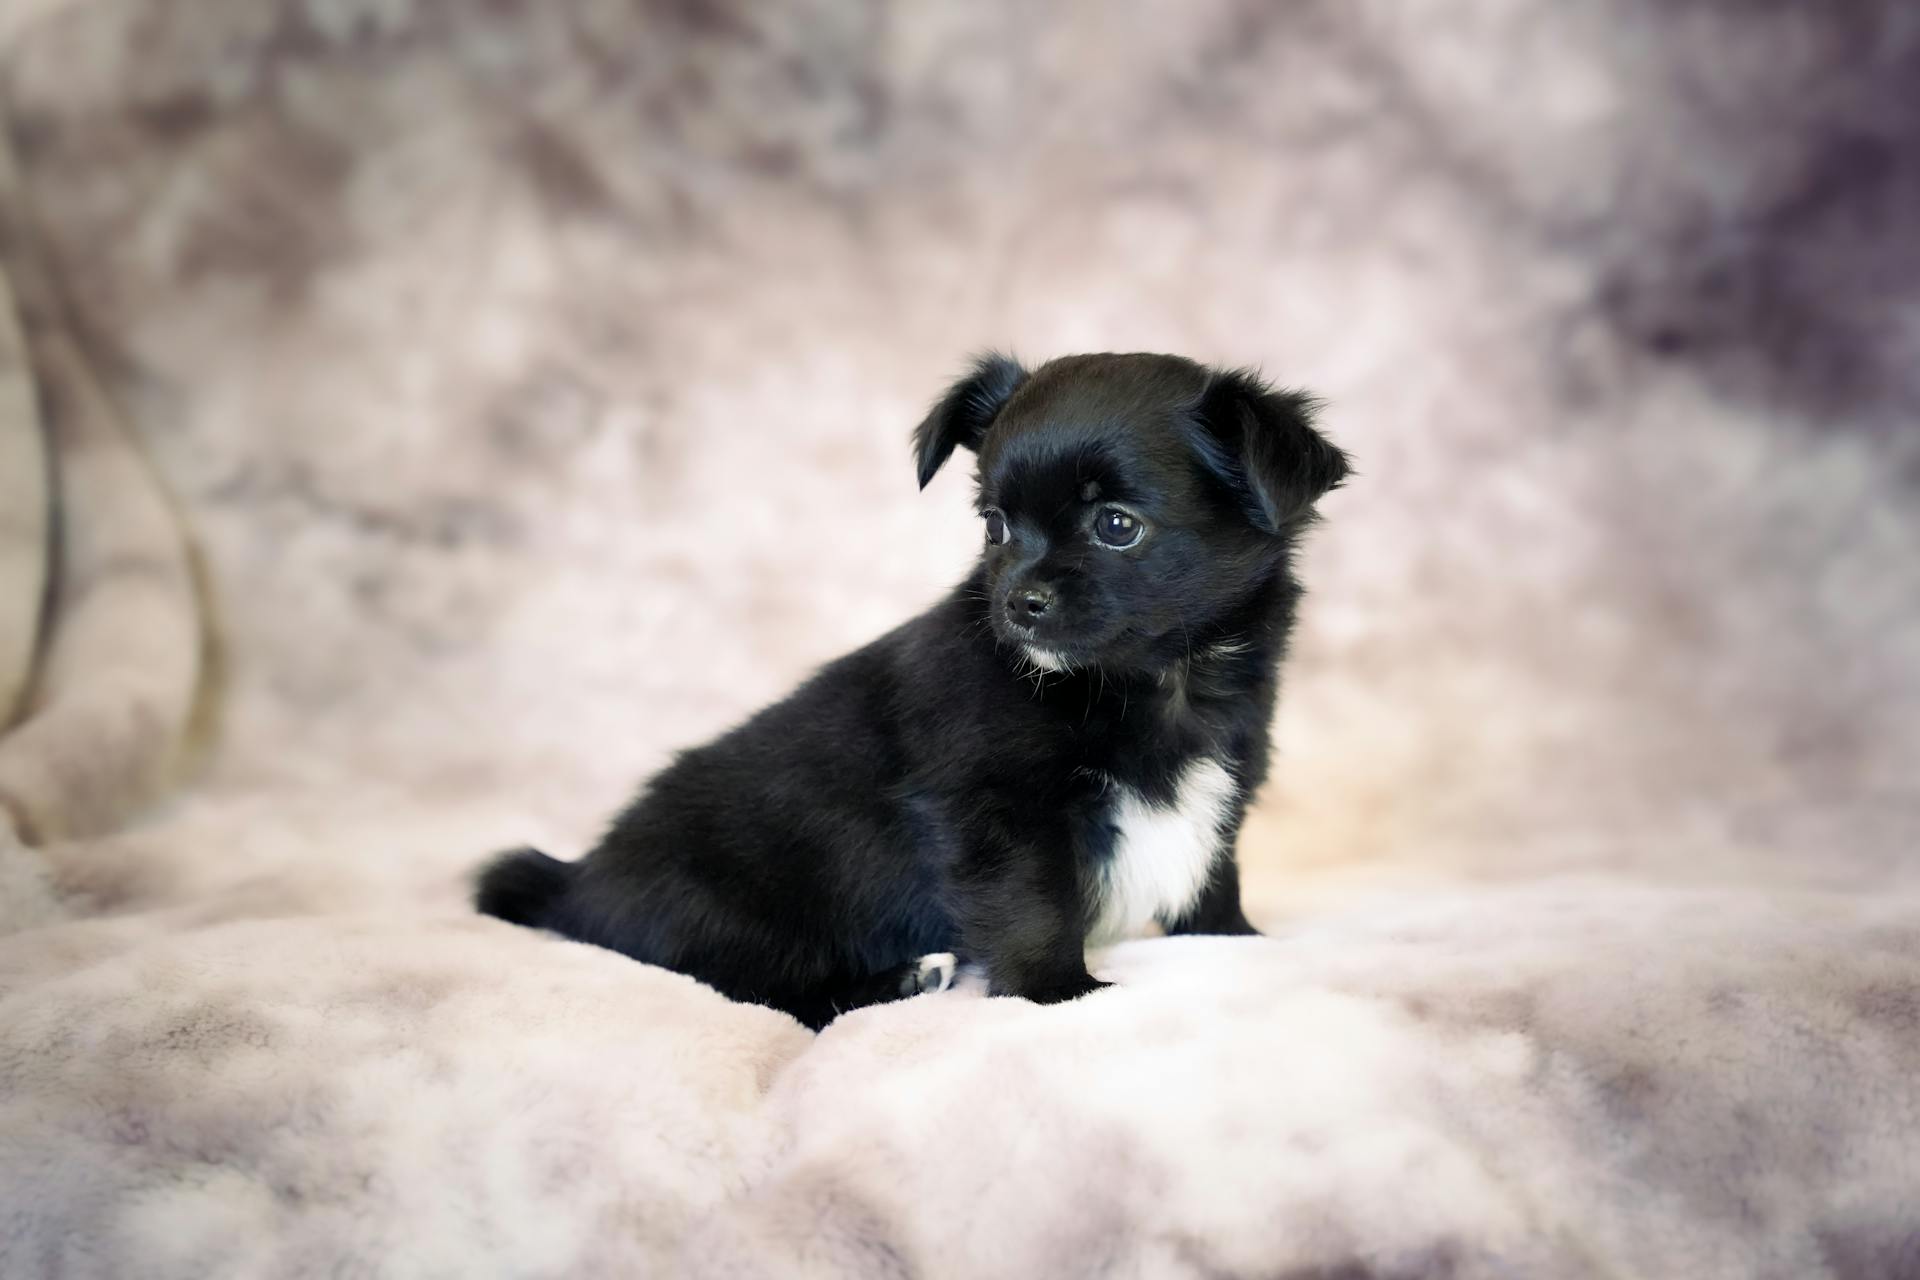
[{"x": 417, "y": 419}]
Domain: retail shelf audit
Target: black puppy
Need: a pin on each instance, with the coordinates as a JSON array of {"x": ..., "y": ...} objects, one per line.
[{"x": 1058, "y": 753}]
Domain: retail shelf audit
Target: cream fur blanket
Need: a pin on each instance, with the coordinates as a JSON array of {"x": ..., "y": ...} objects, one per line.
[{"x": 417, "y": 419}]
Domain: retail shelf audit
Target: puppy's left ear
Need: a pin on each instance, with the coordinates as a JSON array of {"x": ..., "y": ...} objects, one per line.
[
  {"x": 1262, "y": 444},
  {"x": 965, "y": 412}
]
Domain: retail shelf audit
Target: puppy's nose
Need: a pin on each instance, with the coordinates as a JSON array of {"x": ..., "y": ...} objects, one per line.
[{"x": 1031, "y": 604}]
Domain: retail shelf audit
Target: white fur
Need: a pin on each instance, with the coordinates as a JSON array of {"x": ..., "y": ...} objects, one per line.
[
  {"x": 1163, "y": 854},
  {"x": 936, "y": 972},
  {"x": 1046, "y": 659}
]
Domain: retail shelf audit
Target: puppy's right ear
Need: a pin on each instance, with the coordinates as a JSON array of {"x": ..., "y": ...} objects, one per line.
[
  {"x": 1263, "y": 445},
  {"x": 965, "y": 412}
]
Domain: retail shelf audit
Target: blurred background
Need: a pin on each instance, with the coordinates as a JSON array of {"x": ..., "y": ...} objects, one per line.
[{"x": 530, "y": 383}]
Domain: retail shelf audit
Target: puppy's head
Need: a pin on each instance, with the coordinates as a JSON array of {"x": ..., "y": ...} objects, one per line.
[{"x": 1129, "y": 501}]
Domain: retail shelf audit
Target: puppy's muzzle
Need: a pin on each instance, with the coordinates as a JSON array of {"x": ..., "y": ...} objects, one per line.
[{"x": 1027, "y": 606}]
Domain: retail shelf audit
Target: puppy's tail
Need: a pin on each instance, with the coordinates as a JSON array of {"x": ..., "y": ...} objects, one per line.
[{"x": 521, "y": 887}]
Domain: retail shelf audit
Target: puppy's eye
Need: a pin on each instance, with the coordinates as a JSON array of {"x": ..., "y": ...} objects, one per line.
[
  {"x": 1116, "y": 528},
  {"x": 996, "y": 528}
]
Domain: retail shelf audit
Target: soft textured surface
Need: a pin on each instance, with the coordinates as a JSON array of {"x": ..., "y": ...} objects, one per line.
[
  {"x": 450, "y": 415},
  {"x": 24, "y": 509}
]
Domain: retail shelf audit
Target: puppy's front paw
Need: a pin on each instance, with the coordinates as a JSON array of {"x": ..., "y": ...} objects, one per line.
[
  {"x": 1058, "y": 992},
  {"x": 1234, "y": 925},
  {"x": 934, "y": 972}
]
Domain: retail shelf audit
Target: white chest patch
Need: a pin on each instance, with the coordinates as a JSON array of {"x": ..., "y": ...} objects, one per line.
[{"x": 1162, "y": 854}]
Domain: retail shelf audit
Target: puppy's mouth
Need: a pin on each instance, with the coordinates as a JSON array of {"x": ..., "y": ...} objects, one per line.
[
  {"x": 1046, "y": 659},
  {"x": 1042, "y": 651}
]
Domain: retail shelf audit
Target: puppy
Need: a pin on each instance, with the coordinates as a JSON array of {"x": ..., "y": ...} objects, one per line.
[{"x": 1057, "y": 754}]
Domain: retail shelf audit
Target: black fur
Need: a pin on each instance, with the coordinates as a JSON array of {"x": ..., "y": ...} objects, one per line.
[
  {"x": 965, "y": 412},
  {"x": 930, "y": 792}
]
